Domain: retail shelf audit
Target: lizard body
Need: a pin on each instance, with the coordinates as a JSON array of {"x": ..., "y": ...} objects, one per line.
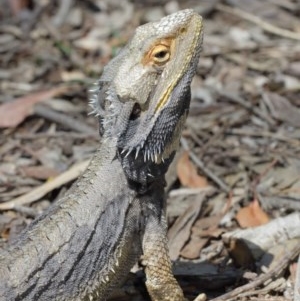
[{"x": 87, "y": 242}]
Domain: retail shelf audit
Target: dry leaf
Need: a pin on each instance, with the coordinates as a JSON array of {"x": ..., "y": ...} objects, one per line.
[
  {"x": 13, "y": 113},
  {"x": 282, "y": 109},
  {"x": 39, "y": 172},
  {"x": 208, "y": 226},
  {"x": 193, "y": 248},
  {"x": 252, "y": 216},
  {"x": 17, "y": 6},
  {"x": 187, "y": 173},
  {"x": 179, "y": 233}
]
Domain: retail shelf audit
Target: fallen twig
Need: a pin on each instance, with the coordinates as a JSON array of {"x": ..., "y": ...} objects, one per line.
[
  {"x": 297, "y": 282},
  {"x": 60, "y": 134},
  {"x": 261, "y": 239},
  {"x": 257, "y": 180},
  {"x": 261, "y": 278},
  {"x": 277, "y": 136},
  {"x": 247, "y": 105},
  {"x": 42, "y": 190},
  {"x": 205, "y": 170},
  {"x": 259, "y": 22},
  {"x": 62, "y": 13},
  {"x": 63, "y": 119}
]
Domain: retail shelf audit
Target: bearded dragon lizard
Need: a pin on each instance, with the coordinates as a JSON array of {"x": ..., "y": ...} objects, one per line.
[{"x": 87, "y": 242}]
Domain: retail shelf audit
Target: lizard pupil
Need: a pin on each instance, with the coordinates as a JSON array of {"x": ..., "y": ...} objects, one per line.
[
  {"x": 136, "y": 112},
  {"x": 161, "y": 54}
]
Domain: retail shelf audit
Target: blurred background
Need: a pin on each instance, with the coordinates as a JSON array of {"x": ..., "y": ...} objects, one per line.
[{"x": 238, "y": 168}]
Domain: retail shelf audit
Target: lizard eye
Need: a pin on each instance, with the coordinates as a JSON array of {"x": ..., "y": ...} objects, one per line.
[{"x": 161, "y": 54}]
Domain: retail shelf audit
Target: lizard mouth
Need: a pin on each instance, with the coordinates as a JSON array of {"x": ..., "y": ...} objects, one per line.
[{"x": 154, "y": 135}]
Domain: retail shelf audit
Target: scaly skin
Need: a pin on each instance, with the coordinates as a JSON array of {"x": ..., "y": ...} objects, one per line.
[{"x": 87, "y": 242}]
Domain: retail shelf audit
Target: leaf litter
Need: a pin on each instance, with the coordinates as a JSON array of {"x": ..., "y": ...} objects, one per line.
[{"x": 233, "y": 193}]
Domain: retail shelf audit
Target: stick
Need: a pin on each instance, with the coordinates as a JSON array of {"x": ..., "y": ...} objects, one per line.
[
  {"x": 235, "y": 98},
  {"x": 42, "y": 190},
  {"x": 259, "y": 22},
  {"x": 261, "y": 278},
  {"x": 63, "y": 119},
  {"x": 297, "y": 282},
  {"x": 207, "y": 171}
]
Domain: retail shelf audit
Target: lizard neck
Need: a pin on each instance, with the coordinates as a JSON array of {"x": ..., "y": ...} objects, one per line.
[{"x": 143, "y": 174}]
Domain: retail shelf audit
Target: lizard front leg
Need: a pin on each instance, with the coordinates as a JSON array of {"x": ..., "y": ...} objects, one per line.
[{"x": 161, "y": 284}]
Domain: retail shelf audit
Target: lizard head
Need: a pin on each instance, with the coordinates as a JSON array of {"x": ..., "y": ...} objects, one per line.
[{"x": 144, "y": 93}]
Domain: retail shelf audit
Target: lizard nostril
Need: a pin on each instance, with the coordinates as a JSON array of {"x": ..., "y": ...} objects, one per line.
[{"x": 136, "y": 112}]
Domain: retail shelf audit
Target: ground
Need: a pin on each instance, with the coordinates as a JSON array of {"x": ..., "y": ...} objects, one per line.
[{"x": 234, "y": 188}]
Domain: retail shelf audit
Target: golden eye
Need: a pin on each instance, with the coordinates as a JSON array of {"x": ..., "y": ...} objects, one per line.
[{"x": 161, "y": 54}]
